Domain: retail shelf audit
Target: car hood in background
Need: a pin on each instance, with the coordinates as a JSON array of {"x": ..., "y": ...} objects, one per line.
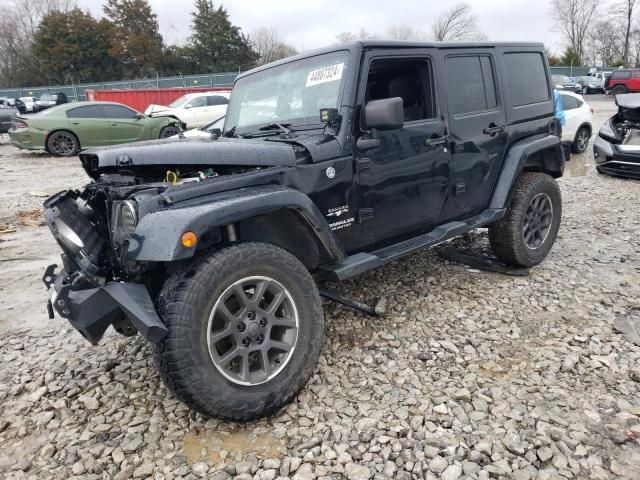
[{"x": 153, "y": 108}]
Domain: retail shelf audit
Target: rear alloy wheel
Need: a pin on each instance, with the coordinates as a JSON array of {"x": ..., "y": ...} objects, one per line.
[
  {"x": 63, "y": 144},
  {"x": 619, "y": 90},
  {"x": 581, "y": 142},
  {"x": 245, "y": 331},
  {"x": 170, "y": 131}
]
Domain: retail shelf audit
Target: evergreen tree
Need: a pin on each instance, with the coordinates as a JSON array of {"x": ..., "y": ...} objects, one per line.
[
  {"x": 73, "y": 47},
  {"x": 571, "y": 57},
  {"x": 135, "y": 38},
  {"x": 217, "y": 44}
]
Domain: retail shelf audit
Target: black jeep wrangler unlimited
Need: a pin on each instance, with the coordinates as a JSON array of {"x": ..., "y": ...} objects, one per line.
[{"x": 330, "y": 163}]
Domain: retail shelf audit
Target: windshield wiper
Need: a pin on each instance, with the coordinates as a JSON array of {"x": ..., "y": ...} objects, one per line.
[
  {"x": 231, "y": 132},
  {"x": 273, "y": 126}
]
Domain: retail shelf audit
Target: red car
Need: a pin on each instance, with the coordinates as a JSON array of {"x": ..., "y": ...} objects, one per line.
[{"x": 624, "y": 81}]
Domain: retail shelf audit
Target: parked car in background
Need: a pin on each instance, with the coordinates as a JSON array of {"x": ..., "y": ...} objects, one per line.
[
  {"x": 562, "y": 82},
  {"x": 64, "y": 130},
  {"x": 579, "y": 117},
  {"x": 616, "y": 149},
  {"x": 194, "y": 109},
  {"x": 29, "y": 103},
  {"x": 589, "y": 84},
  {"x": 624, "y": 81},
  {"x": 6, "y": 112},
  {"x": 48, "y": 100},
  {"x": 206, "y": 131},
  {"x": 601, "y": 77}
]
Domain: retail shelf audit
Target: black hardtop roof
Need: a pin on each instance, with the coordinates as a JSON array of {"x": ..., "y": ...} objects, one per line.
[{"x": 390, "y": 44}]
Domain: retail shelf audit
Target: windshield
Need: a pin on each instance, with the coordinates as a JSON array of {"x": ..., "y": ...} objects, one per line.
[
  {"x": 292, "y": 93},
  {"x": 48, "y": 97},
  {"x": 179, "y": 102},
  {"x": 561, "y": 79}
]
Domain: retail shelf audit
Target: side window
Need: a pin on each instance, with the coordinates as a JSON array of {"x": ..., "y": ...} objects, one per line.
[
  {"x": 197, "y": 102},
  {"x": 569, "y": 103},
  {"x": 91, "y": 111},
  {"x": 117, "y": 111},
  {"x": 527, "y": 78},
  {"x": 213, "y": 100},
  {"x": 409, "y": 79},
  {"x": 470, "y": 84}
]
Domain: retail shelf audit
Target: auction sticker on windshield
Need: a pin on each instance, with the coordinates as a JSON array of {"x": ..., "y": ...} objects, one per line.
[{"x": 325, "y": 75}]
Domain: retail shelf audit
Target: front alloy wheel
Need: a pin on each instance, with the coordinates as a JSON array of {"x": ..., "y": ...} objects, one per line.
[
  {"x": 253, "y": 330},
  {"x": 170, "y": 131},
  {"x": 245, "y": 331}
]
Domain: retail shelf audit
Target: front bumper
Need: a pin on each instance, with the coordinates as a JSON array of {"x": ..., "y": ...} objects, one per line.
[
  {"x": 616, "y": 160},
  {"x": 92, "y": 310}
]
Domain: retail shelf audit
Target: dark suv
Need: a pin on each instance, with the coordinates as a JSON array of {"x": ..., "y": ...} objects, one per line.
[{"x": 330, "y": 163}]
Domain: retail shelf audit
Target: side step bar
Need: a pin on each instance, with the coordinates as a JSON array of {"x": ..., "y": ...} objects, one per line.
[{"x": 362, "y": 262}]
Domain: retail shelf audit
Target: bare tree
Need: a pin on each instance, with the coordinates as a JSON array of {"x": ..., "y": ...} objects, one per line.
[
  {"x": 404, "y": 32},
  {"x": 457, "y": 24},
  {"x": 346, "y": 37},
  {"x": 572, "y": 19},
  {"x": 604, "y": 44},
  {"x": 18, "y": 22},
  {"x": 627, "y": 10},
  {"x": 270, "y": 44}
]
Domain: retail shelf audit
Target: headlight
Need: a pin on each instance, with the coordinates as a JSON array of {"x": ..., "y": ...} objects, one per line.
[
  {"x": 608, "y": 133},
  {"x": 129, "y": 216}
]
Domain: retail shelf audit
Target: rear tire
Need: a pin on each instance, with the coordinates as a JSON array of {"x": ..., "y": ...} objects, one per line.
[
  {"x": 581, "y": 141},
  {"x": 226, "y": 356},
  {"x": 525, "y": 235},
  {"x": 63, "y": 144},
  {"x": 619, "y": 90}
]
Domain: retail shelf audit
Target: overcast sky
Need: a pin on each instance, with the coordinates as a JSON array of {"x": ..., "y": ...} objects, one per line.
[{"x": 313, "y": 24}]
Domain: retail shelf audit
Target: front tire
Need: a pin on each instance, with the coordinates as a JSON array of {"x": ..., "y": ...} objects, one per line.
[
  {"x": 525, "y": 235},
  {"x": 169, "y": 131},
  {"x": 63, "y": 144},
  {"x": 232, "y": 351}
]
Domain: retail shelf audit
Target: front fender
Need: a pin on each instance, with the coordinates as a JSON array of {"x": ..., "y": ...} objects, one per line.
[
  {"x": 157, "y": 236},
  {"x": 552, "y": 162}
]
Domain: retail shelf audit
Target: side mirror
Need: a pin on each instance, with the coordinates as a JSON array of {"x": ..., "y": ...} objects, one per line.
[
  {"x": 140, "y": 116},
  {"x": 385, "y": 114}
]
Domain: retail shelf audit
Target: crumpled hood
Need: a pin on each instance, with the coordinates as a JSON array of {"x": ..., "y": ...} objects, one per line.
[{"x": 175, "y": 152}]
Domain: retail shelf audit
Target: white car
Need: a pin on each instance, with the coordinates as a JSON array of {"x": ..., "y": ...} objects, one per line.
[
  {"x": 194, "y": 109},
  {"x": 578, "y": 126},
  {"x": 29, "y": 103},
  {"x": 203, "y": 132}
]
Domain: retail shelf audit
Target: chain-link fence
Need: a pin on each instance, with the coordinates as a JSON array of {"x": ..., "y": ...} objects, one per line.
[{"x": 77, "y": 92}]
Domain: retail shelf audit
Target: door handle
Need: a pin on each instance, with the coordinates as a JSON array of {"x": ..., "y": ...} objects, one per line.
[
  {"x": 493, "y": 129},
  {"x": 434, "y": 142},
  {"x": 75, "y": 123}
]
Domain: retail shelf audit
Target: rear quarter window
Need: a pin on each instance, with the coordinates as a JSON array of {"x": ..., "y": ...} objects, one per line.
[
  {"x": 621, "y": 75},
  {"x": 526, "y": 78}
]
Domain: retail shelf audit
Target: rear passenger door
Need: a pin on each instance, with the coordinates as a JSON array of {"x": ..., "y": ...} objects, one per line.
[
  {"x": 477, "y": 124},
  {"x": 89, "y": 125}
]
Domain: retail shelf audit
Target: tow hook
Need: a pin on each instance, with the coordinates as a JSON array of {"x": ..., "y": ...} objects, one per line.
[{"x": 378, "y": 310}]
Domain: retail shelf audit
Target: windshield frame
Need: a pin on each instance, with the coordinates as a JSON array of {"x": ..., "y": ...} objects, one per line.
[{"x": 344, "y": 97}]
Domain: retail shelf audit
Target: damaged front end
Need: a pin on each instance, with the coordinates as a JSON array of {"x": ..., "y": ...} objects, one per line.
[
  {"x": 120, "y": 235},
  {"x": 88, "y": 290},
  {"x": 616, "y": 149}
]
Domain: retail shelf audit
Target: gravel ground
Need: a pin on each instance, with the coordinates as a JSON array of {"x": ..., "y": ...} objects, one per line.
[{"x": 471, "y": 375}]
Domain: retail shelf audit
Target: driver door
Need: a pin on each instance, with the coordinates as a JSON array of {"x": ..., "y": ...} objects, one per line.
[{"x": 404, "y": 181}]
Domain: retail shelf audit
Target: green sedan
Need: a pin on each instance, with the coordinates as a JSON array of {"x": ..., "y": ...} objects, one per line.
[{"x": 66, "y": 129}]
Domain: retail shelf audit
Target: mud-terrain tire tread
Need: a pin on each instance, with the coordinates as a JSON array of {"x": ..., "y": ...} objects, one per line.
[
  {"x": 505, "y": 235},
  {"x": 187, "y": 290}
]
